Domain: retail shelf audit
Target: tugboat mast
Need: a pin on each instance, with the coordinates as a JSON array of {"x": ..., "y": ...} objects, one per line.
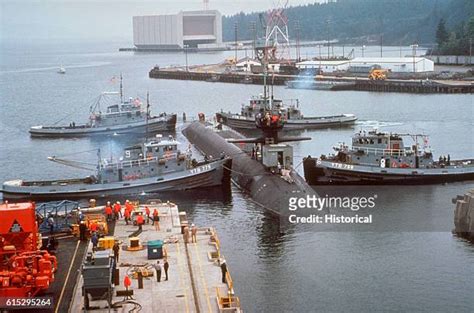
[
  {"x": 147, "y": 113},
  {"x": 121, "y": 88}
]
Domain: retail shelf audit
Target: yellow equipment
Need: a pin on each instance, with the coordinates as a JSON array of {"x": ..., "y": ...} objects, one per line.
[{"x": 378, "y": 74}]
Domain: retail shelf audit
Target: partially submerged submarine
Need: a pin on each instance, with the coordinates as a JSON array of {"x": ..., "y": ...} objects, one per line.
[{"x": 266, "y": 170}]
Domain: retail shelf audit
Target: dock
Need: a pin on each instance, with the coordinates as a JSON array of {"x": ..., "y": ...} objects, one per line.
[
  {"x": 195, "y": 276},
  {"x": 355, "y": 83}
]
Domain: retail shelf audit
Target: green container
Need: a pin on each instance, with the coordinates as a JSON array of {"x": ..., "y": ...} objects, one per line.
[{"x": 155, "y": 249}]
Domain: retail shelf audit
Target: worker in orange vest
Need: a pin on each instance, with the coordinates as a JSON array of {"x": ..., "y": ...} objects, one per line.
[
  {"x": 140, "y": 221},
  {"x": 108, "y": 211},
  {"x": 147, "y": 212},
  {"x": 127, "y": 216},
  {"x": 118, "y": 210},
  {"x": 128, "y": 206},
  {"x": 93, "y": 227}
]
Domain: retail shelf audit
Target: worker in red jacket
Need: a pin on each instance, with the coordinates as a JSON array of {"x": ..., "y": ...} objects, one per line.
[
  {"x": 140, "y": 221},
  {"x": 147, "y": 212},
  {"x": 126, "y": 214},
  {"x": 118, "y": 210},
  {"x": 108, "y": 211},
  {"x": 93, "y": 227}
]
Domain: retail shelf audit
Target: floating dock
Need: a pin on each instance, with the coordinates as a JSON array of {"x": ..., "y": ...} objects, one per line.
[
  {"x": 351, "y": 83},
  {"x": 195, "y": 277}
]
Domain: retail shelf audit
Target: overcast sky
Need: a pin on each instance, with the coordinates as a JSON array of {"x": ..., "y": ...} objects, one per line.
[{"x": 101, "y": 19}]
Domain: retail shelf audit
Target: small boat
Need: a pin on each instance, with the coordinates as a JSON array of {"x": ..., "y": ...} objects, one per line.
[
  {"x": 61, "y": 70},
  {"x": 154, "y": 166},
  {"x": 125, "y": 117},
  {"x": 291, "y": 114},
  {"x": 377, "y": 158},
  {"x": 316, "y": 84}
]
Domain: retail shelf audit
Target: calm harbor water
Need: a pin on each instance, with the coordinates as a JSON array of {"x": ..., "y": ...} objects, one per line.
[{"x": 301, "y": 270}]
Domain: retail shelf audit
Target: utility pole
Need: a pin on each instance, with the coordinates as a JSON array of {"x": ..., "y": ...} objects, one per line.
[
  {"x": 381, "y": 37},
  {"x": 327, "y": 26},
  {"x": 186, "y": 54},
  {"x": 470, "y": 51},
  {"x": 253, "y": 29},
  {"x": 297, "y": 29},
  {"x": 235, "y": 34},
  {"x": 414, "y": 46}
]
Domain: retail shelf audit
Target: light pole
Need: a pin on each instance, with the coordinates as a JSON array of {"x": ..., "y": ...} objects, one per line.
[
  {"x": 363, "y": 48},
  {"x": 470, "y": 51},
  {"x": 414, "y": 46},
  {"x": 186, "y": 54}
]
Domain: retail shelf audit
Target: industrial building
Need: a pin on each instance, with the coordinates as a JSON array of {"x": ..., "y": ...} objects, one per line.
[
  {"x": 326, "y": 66},
  {"x": 395, "y": 65},
  {"x": 193, "y": 29}
]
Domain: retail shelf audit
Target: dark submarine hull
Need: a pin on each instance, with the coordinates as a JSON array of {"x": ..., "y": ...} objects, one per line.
[{"x": 266, "y": 189}]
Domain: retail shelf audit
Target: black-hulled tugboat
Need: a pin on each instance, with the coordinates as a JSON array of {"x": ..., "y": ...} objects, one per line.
[
  {"x": 291, "y": 114},
  {"x": 126, "y": 116},
  {"x": 377, "y": 158},
  {"x": 154, "y": 166}
]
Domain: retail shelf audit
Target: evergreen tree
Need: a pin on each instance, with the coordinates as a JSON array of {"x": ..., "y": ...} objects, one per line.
[{"x": 441, "y": 33}]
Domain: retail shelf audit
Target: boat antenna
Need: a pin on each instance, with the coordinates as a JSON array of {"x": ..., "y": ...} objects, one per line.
[
  {"x": 121, "y": 88},
  {"x": 99, "y": 159},
  {"x": 147, "y": 113}
]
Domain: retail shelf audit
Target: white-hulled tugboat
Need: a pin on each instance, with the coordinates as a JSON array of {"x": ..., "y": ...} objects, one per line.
[
  {"x": 291, "y": 114},
  {"x": 377, "y": 158},
  {"x": 154, "y": 166},
  {"x": 124, "y": 117}
]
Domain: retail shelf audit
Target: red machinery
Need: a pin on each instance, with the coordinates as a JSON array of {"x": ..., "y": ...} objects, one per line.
[{"x": 24, "y": 270}]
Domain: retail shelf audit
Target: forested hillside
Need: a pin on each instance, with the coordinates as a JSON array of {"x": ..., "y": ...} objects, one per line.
[{"x": 362, "y": 21}]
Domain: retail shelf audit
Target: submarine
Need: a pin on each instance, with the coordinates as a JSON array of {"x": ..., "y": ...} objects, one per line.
[
  {"x": 262, "y": 167},
  {"x": 266, "y": 170}
]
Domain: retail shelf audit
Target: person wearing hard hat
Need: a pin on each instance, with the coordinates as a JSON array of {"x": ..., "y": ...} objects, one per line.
[
  {"x": 223, "y": 270},
  {"x": 118, "y": 210},
  {"x": 140, "y": 221},
  {"x": 108, "y": 211},
  {"x": 193, "y": 233}
]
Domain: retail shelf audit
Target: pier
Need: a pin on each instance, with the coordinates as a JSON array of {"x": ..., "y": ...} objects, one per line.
[
  {"x": 464, "y": 215},
  {"x": 195, "y": 279},
  {"x": 358, "y": 84}
]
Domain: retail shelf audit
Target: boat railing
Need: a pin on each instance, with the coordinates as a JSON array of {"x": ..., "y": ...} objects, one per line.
[
  {"x": 144, "y": 161},
  {"x": 132, "y": 163},
  {"x": 380, "y": 151}
]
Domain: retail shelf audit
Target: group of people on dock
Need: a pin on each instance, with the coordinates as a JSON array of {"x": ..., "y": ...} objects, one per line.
[{"x": 114, "y": 213}]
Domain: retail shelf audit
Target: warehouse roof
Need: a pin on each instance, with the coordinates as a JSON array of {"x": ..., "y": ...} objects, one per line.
[{"x": 387, "y": 60}]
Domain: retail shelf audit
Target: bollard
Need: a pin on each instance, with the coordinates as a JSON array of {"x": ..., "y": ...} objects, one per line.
[{"x": 140, "y": 280}]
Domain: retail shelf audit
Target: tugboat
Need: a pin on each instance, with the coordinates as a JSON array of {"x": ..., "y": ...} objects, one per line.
[
  {"x": 291, "y": 114},
  {"x": 123, "y": 118},
  {"x": 154, "y": 166},
  {"x": 378, "y": 158}
]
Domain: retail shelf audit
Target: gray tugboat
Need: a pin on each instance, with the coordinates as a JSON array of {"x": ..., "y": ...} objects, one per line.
[
  {"x": 154, "y": 166},
  {"x": 127, "y": 116},
  {"x": 291, "y": 114},
  {"x": 377, "y": 158}
]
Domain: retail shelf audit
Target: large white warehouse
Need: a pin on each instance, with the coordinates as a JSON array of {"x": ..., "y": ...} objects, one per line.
[
  {"x": 396, "y": 65},
  {"x": 192, "y": 28},
  {"x": 326, "y": 66}
]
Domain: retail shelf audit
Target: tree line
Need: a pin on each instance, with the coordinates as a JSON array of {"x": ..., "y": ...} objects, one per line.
[{"x": 393, "y": 22}]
